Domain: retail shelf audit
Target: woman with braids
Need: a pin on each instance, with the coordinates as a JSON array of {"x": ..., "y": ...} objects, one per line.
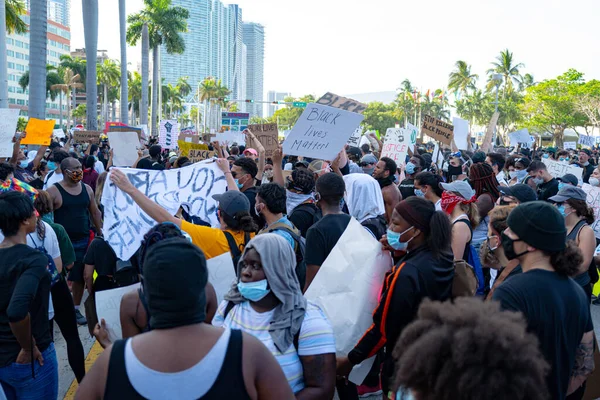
[
  {"x": 503, "y": 360},
  {"x": 571, "y": 203},
  {"x": 427, "y": 185},
  {"x": 555, "y": 307},
  {"x": 425, "y": 272}
]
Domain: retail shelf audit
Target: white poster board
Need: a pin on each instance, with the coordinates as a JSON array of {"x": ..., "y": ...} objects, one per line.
[
  {"x": 231, "y": 137},
  {"x": 559, "y": 169},
  {"x": 145, "y": 133},
  {"x": 168, "y": 133},
  {"x": 396, "y": 144},
  {"x": 355, "y": 138},
  {"x": 588, "y": 141},
  {"x": 520, "y": 136},
  {"x": 58, "y": 133},
  {"x": 221, "y": 274},
  {"x": 570, "y": 145},
  {"x": 321, "y": 132},
  {"x": 461, "y": 133},
  {"x": 125, "y": 146},
  {"x": 125, "y": 224},
  {"x": 108, "y": 306},
  {"x": 347, "y": 288},
  {"x": 9, "y": 118},
  {"x": 593, "y": 201}
]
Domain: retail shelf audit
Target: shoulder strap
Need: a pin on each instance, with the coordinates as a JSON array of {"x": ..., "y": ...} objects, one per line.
[
  {"x": 48, "y": 177},
  {"x": 233, "y": 246},
  {"x": 579, "y": 227},
  {"x": 228, "y": 308}
]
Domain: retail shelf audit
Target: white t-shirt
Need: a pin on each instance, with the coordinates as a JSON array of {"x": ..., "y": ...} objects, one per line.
[
  {"x": 316, "y": 336},
  {"x": 99, "y": 167},
  {"x": 438, "y": 205},
  {"x": 501, "y": 178},
  {"x": 52, "y": 178}
]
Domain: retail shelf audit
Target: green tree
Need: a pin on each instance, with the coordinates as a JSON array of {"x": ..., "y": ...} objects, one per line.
[
  {"x": 461, "y": 79},
  {"x": 14, "y": 10},
  {"x": 52, "y": 78},
  {"x": 135, "y": 94},
  {"x": 379, "y": 117},
  {"x": 70, "y": 82},
  {"x": 183, "y": 87},
  {"x": 505, "y": 66},
  {"x": 109, "y": 76},
  {"x": 287, "y": 116},
  {"x": 588, "y": 102},
  {"x": 79, "y": 114}
]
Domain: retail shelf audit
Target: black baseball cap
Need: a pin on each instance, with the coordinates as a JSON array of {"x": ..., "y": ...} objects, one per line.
[
  {"x": 569, "y": 178},
  {"x": 354, "y": 151},
  {"x": 232, "y": 202},
  {"x": 523, "y": 193}
]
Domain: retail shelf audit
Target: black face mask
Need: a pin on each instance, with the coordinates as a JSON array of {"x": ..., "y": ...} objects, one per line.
[
  {"x": 452, "y": 170},
  {"x": 504, "y": 203},
  {"x": 509, "y": 248}
]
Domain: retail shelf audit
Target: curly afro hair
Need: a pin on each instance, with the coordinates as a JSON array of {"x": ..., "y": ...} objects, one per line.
[{"x": 462, "y": 351}]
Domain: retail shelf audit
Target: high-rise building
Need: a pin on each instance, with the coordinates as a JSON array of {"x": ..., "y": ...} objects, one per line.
[
  {"x": 254, "y": 39},
  {"x": 275, "y": 96},
  {"x": 58, "y": 11}
]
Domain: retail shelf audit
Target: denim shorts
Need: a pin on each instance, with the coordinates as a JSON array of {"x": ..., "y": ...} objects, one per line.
[{"x": 18, "y": 383}]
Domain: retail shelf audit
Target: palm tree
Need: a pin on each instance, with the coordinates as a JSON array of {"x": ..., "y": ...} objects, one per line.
[
  {"x": 78, "y": 66},
  {"x": 183, "y": 87},
  {"x": 165, "y": 25},
  {"x": 70, "y": 82},
  {"x": 14, "y": 9},
  {"x": 124, "y": 98},
  {"x": 461, "y": 79},
  {"x": 52, "y": 78},
  {"x": 525, "y": 82},
  {"x": 90, "y": 32},
  {"x": 108, "y": 75},
  {"x": 471, "y": 107},
  {"x": 505, "y": 66},
  {"x": 135, "y": 94},
  {"x": 38, "y": 44},
  {"x": 405, "y": 101},
  {"x": 145, "y": 74}
]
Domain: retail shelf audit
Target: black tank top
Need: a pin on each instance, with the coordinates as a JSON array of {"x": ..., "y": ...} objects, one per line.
[
  {"x": 228, "y": 385},
  {"x": 74, "y": 213},
  {"x": 582, "y": 279}
]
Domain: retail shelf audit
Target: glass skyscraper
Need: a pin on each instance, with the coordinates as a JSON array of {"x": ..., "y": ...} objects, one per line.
[{"x": 254, "y": 39}]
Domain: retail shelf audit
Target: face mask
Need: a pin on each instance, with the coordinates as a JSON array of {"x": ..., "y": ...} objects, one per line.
[
  {"x": 253, "y": 291},
  {"x": 563, "y": 212},
  {"x": 452, "y": 170},
  {"x": 519, "y": 174},
  {"x": 538, "y": 181},
  {"x": 508, "y": 245},
  {"x": 368, "y": 171},
  {"x": 594, "y": 182},
  {"x": 410, "y": 168},
  {"x": 393, "y": 239},
  {"x": 51, "y": 166},
  {"x": 76, "y": 176},
  {"x": 256, "y": 210},
  {"x": 238, "y": 184},
  {"x": 546, "y": 156},
  {"x": 419, "y": 193},
  {"x": 23, "y": 163}
]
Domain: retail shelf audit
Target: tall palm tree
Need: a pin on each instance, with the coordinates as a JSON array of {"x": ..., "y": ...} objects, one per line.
[
  {"x": 165, "y": 25},
  {"x": 505, "y": 66},
  {"x": 78, "y": 66},
  {"x": 124, "y": 98},
  {"x": 183, "y": 87},
  {"x": 135, "y": 94},
  {"x": 14, "y": 9},
  {"x": 38, "y": 44},
  {"x": 145, "y": 75},
  {"x": 108, "y": 76},
  {"x": 471, "y": 106},
  {"x": 71, "y": 82},
  {"x": 52, "y": 78},
  {"x": 405, "y": 101},
  {"x": 90, "y": 32},
  {"x": 461, "y": 79},
  {"x": 526, "y": 81}
]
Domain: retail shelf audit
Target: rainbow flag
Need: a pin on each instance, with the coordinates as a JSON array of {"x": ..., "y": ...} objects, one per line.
[{"x": 19, "y": 186}]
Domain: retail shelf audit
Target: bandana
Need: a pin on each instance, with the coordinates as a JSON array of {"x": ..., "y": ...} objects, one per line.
[{"x": 450, "y": 200}]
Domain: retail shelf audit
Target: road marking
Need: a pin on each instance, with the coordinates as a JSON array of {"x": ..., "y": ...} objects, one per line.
[{"x": 91, "y": 358}]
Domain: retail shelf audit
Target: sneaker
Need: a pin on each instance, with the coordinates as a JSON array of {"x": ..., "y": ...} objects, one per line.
[
  {"x": 80, "y": 318},
  {"x": 368, "y": 391}
]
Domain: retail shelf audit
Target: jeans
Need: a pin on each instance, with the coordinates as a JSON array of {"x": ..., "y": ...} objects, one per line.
[{"x": 18, "y": 383}]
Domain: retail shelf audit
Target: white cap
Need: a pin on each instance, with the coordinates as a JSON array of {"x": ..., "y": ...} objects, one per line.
[{"x": 462, "y": 188}]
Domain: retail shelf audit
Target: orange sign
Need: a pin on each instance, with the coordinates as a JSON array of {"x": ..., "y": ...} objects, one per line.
[{"x": 39, "y": 131}]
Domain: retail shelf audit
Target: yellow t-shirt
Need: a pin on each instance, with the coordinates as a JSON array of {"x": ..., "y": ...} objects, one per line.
[{"x": 212, "y": 241}]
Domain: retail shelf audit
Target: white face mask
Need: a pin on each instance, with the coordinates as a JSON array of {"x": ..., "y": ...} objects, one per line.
[{"x": 594, "y": 182}]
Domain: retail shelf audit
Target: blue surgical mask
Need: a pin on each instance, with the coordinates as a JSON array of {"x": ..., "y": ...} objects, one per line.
[
  {"x": 419, "y": 193},
  {"x": 253, "y": 291},
  {"x": 560, "y": 186},
  {"x": 51, "y": 166},
  {"x": 538, "y": 181},
  {"x": 546, "y": 155},
  {"x": 238, "y": 184},
  {"x": 393, "y": 239},
  {"x": 410, "y": 168},
  {"x": 23, "y": 163}
]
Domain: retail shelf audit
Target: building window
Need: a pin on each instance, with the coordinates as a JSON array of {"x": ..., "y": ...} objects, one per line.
[
  {"x": 19, "y": 56},
  {"x": 20, "y": 67},
  {"x": 11, "y": 65},
  {"x": 10, "y": 53},
  {"x": 11, "y": 101},
  {"x": 20, "y": 102}
]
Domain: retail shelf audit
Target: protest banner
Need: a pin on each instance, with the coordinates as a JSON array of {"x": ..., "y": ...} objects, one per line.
[
  {"x": 58, "y": 133},
  {"x": 461, "y": 133},
  {"x": 231, "y": 137},
  {"x": 185, "y": 147},
  {"x": 221, "y": 274},
  {"x": 168, "y": 133},
  {"x": 593, "y": 201},
  {"x": 188, "y": 138},
  {"x": 396, "y": 144},
  {"x": 321, "y": 132},
  {"x": 125, "y": 224},
  {"x": 9, "y": 118},
  {"x": 347, "y": 287},
  {"x": 91, "y": 137},
  {"x": 588, "y": 141},
  {"x": 519, "y": 137},
  {"x": 343, "y": 103},
  {"x": 39, "y": 132},
  {"x": 559, "y": 169},
  {"x": 125, "y": 128},
  {"x": 124, "y": 146},
  {"x": 267, "y": 135},
  {"x": 486, "y": 144},
  {"x": 438, "y": 129},
  {"x": 570, "y": 145},
  {"x": 108, "y": 307},
  {"x": 355, "y": 138},
  {"x": 199, "y": 155}
]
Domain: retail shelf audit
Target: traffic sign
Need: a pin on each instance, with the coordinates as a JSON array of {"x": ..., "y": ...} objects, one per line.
[{"x": 299, "y": 104}]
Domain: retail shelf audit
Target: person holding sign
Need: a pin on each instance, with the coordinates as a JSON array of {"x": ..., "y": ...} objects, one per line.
[{"x": 24, "y": 167}]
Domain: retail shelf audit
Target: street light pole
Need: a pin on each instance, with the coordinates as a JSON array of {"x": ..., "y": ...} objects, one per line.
[{"x": 498, "y": 79}]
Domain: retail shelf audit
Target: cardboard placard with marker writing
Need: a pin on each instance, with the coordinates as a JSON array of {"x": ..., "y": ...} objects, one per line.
[
  {"x": 438, "y": 129},
  {"x": 91, "y": 137},
  {"x": 344, "y": 103},
  {"x": 267, "y": 135}
]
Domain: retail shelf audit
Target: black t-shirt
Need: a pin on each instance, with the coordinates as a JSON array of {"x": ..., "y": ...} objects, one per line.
[
  {"x": 407, "y": 188},
  {"x": 304, "y": 216},
  {"x": 547, "y": 189},
  {"x": 102, "y": 257},
  {"x": 251, "y": 195},
  {"x": 25, "y": 174},
  {"x": 148, "y": 163},
  {"x": 587, "y": 172},
  {"x": 24, "y": 288},
  {"x": 557, "y": 312},
  {"x": 323, "y": 236}
]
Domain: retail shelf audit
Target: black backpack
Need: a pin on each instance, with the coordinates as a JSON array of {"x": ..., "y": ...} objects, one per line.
[
  {"x": 236, "y": 252},
  {"x": 310, "y": 208},
  {"x": 299, "y": 248}
]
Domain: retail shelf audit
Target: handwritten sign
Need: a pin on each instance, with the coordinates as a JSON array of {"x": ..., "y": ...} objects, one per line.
[
  {"x": 125, "y": 223},
  {"x": 355, "y": 138},
  {"x": 199, "y": 155},
  {"x": 92, "y": 137},
  {"x": 321, "y": 132},
  {"x": 185, "y": 147},
  {"x": 231, "y": 137},
  {"x": 585, "y": 140},
  {"x": 559, "y": 169},
  {"x": 593, "y": 201},
  {"x": 570, "y": 145},
  {"x": 125, "y": 146},
  {"x": 108, "y": 306},
  {"x": 520, "y": 136},
  {"x": 58, "y": 133},
  {"x": 344, "y": 103},
  {"x": 267, "y": 135},
  {"x": 461, "y": 133},
  {"x": 125, "y": 128},
  {"x": 438, "y": 129},
  {"x": 168, "y": 133},
  {"x": 396, "y": 144},
  {"x": 39, "y": 131},
  {"x": 189, "y": 138},
  {"x": 9, "y": 118}
]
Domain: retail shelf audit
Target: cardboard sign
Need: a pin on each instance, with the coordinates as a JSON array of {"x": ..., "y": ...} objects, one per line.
[
  {"x": 520, "y": 136},
  {"x": 570, "y": 145},
  {"x": 199, "y": 155},
  {"x": 9, "y": 118},
  {"x": 355, "y": 138},
  {"x": 321, "y": 132},
  {"x": 108, "y": 306},
  {"x": 125, "y": 146},
  {"x": 559, "y": 169},
  {"x": 593, "y": 201},
  {"x": 189, "y": 138},
  {"x": 168, "y": 133},
  {"x": 267, "y": 135},
  {"x": 344, "y": 103},
  {"x": 396, "y": 145},
  {"x": 585, "y": 140},
  {"x": 438, "y": 129},
  {"x": 125, "y": 128},
  {"x": 185, "y": 147},
  {"x": 461, "y": 133},
  {"x": 91, "y": 137},
  {"x": 39, "y": 131}
]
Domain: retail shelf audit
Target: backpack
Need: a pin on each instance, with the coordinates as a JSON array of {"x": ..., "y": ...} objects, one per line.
[
  {"x": 310, "y": 208},
  {"x": 51, "y": 267},
  {"x": 299, "y": 248},
  {"x": 376, "y": 226},
  {"x": 472, "y": 263},
  {"x": 236, "y": 252}
]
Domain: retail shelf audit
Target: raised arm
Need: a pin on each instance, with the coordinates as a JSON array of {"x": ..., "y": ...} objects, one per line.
[
  {"x": 16, "y": 148},
  {"x": 277, "y": 169},
  {"x": 38, "y": 157},
  {"x": 261, "y": 151},
  {"x": 223, "y": 165}
]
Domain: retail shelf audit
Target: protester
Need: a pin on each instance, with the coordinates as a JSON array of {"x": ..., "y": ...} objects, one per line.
[
  {"x": 519, "y": 173},
  {"x": 152, "y": 163},
  {"x": 267, "y": 303},
  {"x": 567, "y": 180},
  {"x": 496, "y": 161},
  {"x": 354, "y": 154},
  {"x": 183, "y": 355},
  {"x": 25, "y": 165},
  {"x": 595, "y": 177},
  {"x": 55, "y": 159},
  {"x": 555, "y": 307},
  {"x": 301, "y": 208},
  {"x": 455, "y": 167},
  {"x": 385, "y": 173},
  {"x": 412, "y": 168},
  {"x": 90, "y": 175},
  {"x": 366, "y": 203},
  {"x": 427, "y": 185},
  {"x": 571, "y": 203},
  {"x": 94, "y": 150},
  {"x": 458, "y": 201},
  {"x": 516, "y": 194},
  {"x": 99, "y": 189},
  {"x": 244, "y": 171},
  {"x": 427, "y": 271},
  {"x": 9, "y": 183},
  {"x": 433, "y": 362},
  {"x": 28, "y": 365},
  {"x": 368, "y": 163},
  {"x": 547, "y": 185},
  {"x": 584, "y": 162}
]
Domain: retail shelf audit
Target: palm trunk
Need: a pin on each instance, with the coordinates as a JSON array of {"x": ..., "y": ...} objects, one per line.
[
  {"x": 73, "y": 104},
  {"x": 145, "y": 73},
  {"x": 105, "y": 104},
  {"x": 114, "y": 110},
  {"x": 38, "y": 44},
  {"x": 60, "y": 110},
  {"x": 124, "y": 101},
  {"x": 68, "y": 109},
  {"x": 90, "y": 28},
  {"x": 3, "y": 61},
  {"x": 155, "y": 94}
]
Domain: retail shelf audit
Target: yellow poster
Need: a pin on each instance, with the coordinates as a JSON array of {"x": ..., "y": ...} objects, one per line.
[
  {"x": 185, "y": 147},
  {"x": 39, "y": 131}
]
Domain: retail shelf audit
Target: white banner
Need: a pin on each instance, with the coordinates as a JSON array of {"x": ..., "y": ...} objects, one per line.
[
  {"x": 9, "y": 118},
  {"x": 125, "y": 224},
  {"x": 559, "y": 169},
  {"x": 520, "y": 136},
  {"x": 108, "y": 306},
  {"x": 232, "y": 137},
  {"x": 461, "y": 133},
  {"x": 125, "y": 146},
  {"x": 168, "y": 133},
  {"x": 570, "y": 145},
  {"x": 585, "y": 140},
  {"x": 593, "y": 201},
  {"x": 347, "y": 288},
  {"x": 355, "y": 138},
  {"x": 396, "y": 144}
]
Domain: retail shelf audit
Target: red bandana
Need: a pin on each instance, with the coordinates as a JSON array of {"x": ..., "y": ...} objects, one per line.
[{"x": 450, "y": 200}]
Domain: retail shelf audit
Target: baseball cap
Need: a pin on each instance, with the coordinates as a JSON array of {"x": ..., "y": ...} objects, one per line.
[
  {"x": 232, "y": 202},
  {"x": 251, "y": 152},
  {"x": 354, "y": 151},
  {"x": 301, "y": 164},
  {"x": 462, "y": 188},
  {"x": 368, "y": 159},
  {"x": 586, "y": 151},
  {"x": 568, "y": 192},
  {"x": 523, "y": 193},
  {"x": 569, "y": 178}
]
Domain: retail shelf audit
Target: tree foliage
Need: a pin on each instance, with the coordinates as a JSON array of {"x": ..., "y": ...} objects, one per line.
[{"x": 14, "y": 10}]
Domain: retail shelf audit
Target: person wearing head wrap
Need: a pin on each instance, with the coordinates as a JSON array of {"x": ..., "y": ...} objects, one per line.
[
  {"x": 183, "y": 356},
  {"x": 267, "y": 302},
  {"x": 426, "y": 271},
  {"x": 365, "y": 203}
]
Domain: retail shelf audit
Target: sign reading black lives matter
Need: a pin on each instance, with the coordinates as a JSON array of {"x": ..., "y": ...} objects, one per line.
[
  {"x": 125, "y": 224},
  {"x": 438, "y": 129},
  {"x": 321, "y": 132}
]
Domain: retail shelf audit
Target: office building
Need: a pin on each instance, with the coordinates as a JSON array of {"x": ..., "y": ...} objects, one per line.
[
  {"x": 254, "y": 39},
  {"x": 58, "y": 11},
  {"x": 275, "y": 96}
]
